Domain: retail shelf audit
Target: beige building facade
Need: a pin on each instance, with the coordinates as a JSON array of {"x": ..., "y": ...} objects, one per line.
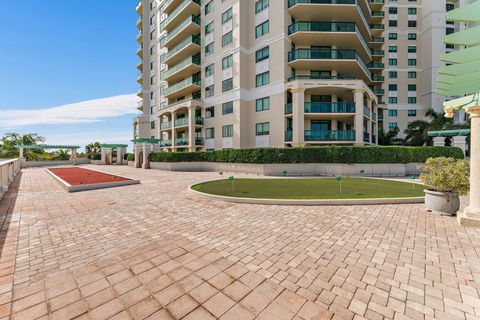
[{"x": 218, "y": 74}]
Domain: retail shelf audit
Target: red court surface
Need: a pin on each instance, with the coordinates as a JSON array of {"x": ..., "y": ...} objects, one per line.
[{"x": 81, "y": 176}]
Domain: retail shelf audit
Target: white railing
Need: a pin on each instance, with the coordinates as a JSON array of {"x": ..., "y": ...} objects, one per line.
[{"x": 8, "y": 170}]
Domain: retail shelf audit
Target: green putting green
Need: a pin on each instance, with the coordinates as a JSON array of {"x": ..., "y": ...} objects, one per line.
[{"x": 312, "y": 188}]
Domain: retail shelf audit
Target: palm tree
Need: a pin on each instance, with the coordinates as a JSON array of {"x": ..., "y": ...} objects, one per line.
[
  {"x": 417, "y": 131},
  {"x": 10, "y": 140},
  {"x": 62, "y": 155},
  {"x": 92, "y": 148},
  {"x": 389, "y": 138}
]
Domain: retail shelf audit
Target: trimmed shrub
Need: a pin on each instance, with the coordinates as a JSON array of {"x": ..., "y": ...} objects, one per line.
[
  {"x": 329, "y": 154},
  {"x": 130, "y": 156},
  {"x": 96, "y": 156}
]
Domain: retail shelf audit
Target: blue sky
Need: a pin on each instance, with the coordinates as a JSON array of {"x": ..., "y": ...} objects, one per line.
[{"x": 56, "y": 53}]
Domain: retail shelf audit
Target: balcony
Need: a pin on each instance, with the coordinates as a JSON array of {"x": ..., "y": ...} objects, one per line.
[
  {"x": 199, "y": 121},
  {"x": 345, "y": 61},
  {"x": 377, "y": 40},
  {"x": 377, "y": 14},
  {"x": 187, "y": 47},
  {"x": 140, "y": 52},
  {"x": 140, "y": 65},
  {"x": 377, "y": 28},
  {"x": 165, "y": 143},
  {"x": 379, "y": 91},
  {"x": 378, "y": 53},
  {"x": 139, "y": 7},
  {"x": 170, "y": 5},
  {"x": 140, "y": 92},
  {"x": 165, "y": 125},
  {"x": 181, "y": 122},
  {"x": 182, "y": 88},
  {"x": 199, "y": 141},
  {"x": 376, "y": 66},
  {"x": 183, "y": 11},
  {"x": 341, "y": 34},
  {"x": 288, "y": 109},
  {"x": 366, "y": 137},
  {"x": 183, "y": 69},
  {"x": 374, "y": 139},
  {"x": 324, "y": 10},
  {"x": 366, "y": 111},
  {"x": 380, "y": 117},
  {"x": 140, "y": 105},
  {"x": 189, "y": 27},
  {"x": 140, "y": 36},
  {"x": 180, "y": 142},
  {"x": 378, "y": 78},
  {"x": 310, "y": 77},
  {"x": 376, "y": 4},
  {"x": 329, "y": 135},
  {"x": 140, "y": 78},
  {"x": 329, "y": 107},
  {"x": 139, "y": 23}
]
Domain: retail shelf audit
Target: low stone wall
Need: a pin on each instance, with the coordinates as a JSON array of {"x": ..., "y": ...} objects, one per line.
[
  {"x": 32, "y": 164},
  {"x": 295, "y": 169},
  {"x": 9, "y": 168}
]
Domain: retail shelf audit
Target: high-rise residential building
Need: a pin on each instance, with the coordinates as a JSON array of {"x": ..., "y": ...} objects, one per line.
[{"x": 218, "y": 74}]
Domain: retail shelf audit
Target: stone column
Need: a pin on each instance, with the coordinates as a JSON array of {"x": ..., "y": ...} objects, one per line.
[
  {"x": 471, "y": 215},
  {"x": 369, "y": 121},
  {"x": 120, "y": 155},
  {"x": 191, "y": 129},
  {"x": 74, "y": 156},
  {"x": 460, "y": 142},
  {"x": 137, "y": 150},
  {"x": 439, "y": 141},
  {"x": 173, "y": 128},
  {"x": 103, "y": 157},
  {"x": 146, "y": 153},
  {"x": 298, "y": 110},
  {"x": 21, "y": 153},
  {"x": 375, "y": 130},
  {"x": 358, "y": 97}
]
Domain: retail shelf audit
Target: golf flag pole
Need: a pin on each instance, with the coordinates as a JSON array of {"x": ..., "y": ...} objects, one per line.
[
  {"x": 413, "y": 178},
  {"x": 232, "y": 178},
  {"x": 339, "y": 179}
]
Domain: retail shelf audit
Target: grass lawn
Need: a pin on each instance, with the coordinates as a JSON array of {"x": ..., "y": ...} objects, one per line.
[{"x": 313, "y": 188}]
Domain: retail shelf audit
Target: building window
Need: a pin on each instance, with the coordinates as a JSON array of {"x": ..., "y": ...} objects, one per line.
[
  {"x": 227, "y": 39},
  {"x": 227, "y": 108},
  {"x": 412, "y": 10},
  {"x": 392, "y": 62},
  {"x": 210, "y": 133},
  {"x": 209, "y": 49},
  {"x": 412, "y": 62},
  {"x": 392, "y": 10},
  {"x": 393, "y": 36},
  {"x": 412, "y": 23},
  {"x": 227, "y": 131},
  {"x": 262, "y": 79},
  {"x": 392, "y": 100},
  {"x": 392, "y": 23},
  {"x": 262, "y": 104},
  {"x": 412, "y": 36},
  {"x": 262, "y": 129},
  {"x": 262, "y": 29},
  {"x": 412, "y": 74},
  {"x": 412, "y": 113},
  {"x": 227, "y": 85},
  {"x": 412, "y": 100},
  {"x": 227, "y": 62},
  {"x": 209, "y": 7},
  {"x": 412, "y": 87},
  {"x": 227, "y": 16},
  {"x": 209, "y": 28},
  {"x": 210, "y": 112},
  {"x": 392, "y": 87},
  {"x": 261, "y": 5},
  {"x": 262, "y": 54},
  {"x": 392, "y": 113},
  {"x": 412, "y": 49},
  {"x": 152, "y": 125},
  {"x": 392, "y": 125},
  {"x": 209, "y": 91},
  {"x": 209, "y": 70},
  {"x": 393, "y": 74},
  {"x": 392, "y": 48}
]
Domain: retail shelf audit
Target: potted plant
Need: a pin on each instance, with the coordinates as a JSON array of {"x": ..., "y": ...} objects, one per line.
[{"x": 447, "y": 178}]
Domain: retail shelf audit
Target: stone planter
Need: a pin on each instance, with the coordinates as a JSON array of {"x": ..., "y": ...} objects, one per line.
[{"x": 442, "y": 203}]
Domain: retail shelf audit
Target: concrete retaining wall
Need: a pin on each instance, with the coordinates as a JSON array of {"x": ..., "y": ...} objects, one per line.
[
  {"x": 32, "y": 164},
  {"x": 296, "y": 169}
]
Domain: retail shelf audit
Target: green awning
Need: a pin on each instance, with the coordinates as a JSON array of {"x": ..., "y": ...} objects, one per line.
[
  {"x": 45, "y": 146},
  {"x": 469, "y": 37},
  {"x": 449, "y": 133},
  {"x": 469, "y": 13},
  {"x": 107, "y": 145},
  {"x": 453, "y": 80},
  {"x": 462, "y": 56},
  {"x": 146, "y": 140}
]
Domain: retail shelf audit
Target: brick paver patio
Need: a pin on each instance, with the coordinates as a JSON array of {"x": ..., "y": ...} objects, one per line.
[{"x": 155, "y": 251}]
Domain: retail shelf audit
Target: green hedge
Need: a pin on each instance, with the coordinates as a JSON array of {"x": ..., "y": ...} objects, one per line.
[
  {"x": 130, "y": 156},
  {"x": 96, "y": 156},
  {"x": 330, "y": 154}
]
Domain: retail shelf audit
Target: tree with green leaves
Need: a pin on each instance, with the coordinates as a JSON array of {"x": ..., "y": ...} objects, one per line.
[
  {"x": 92, "y": 148},
  {"x": 10, "y": 140},
  {"x": 389, "y": 138}
]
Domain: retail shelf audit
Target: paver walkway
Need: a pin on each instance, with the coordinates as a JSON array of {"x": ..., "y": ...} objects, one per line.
[{"x": 156, "y": 251}]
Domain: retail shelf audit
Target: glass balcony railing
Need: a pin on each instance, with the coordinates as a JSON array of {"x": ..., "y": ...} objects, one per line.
[
  {"x": 377, "y": 26},
  {"x": 199, "y": 121},
  {"x": 181, "y": 142},
  {"x": 181, "y": 45},
  {"x": 166, "y": 125},
  {"x": 329, "y": 107},
  {"x": 288, "y": 108},
  {"x": 374, "y": 139},
  {"x": 378, "y": 78},
  {"x": 288, "y": 135},
  {"x": 180, "y": 85},
  {"x": 198, "y": 141},
  {"x": 165, "y": 143},
  {"x": 327, "y": 54},
  {"x": 174, "y": 13},
  {"x": 182, "y": 64},
  {"x": 379, "y": 91},
  {"x": 378, "y": 40},
  {"x": 329, "y": 135},
  {"x": 378, "y": 53},
  {"x": 171, "y": 35},
  {"x": 376, "y": 66},
  {"x": 181, "y": 122},
  {"x": 366, "y": 137},
  {"x": 377, "y": 1},
  {"x": 366, "y": 111},
  {"x": 378, "y": 14},
  {"x": 313, "y": 26},
  {"x": 317, "y": 77}
]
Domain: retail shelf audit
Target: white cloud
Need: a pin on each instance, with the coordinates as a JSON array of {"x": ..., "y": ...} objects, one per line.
[
  {"x": 76, "y": 113},
  {"x": 83, "y": 138}
]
